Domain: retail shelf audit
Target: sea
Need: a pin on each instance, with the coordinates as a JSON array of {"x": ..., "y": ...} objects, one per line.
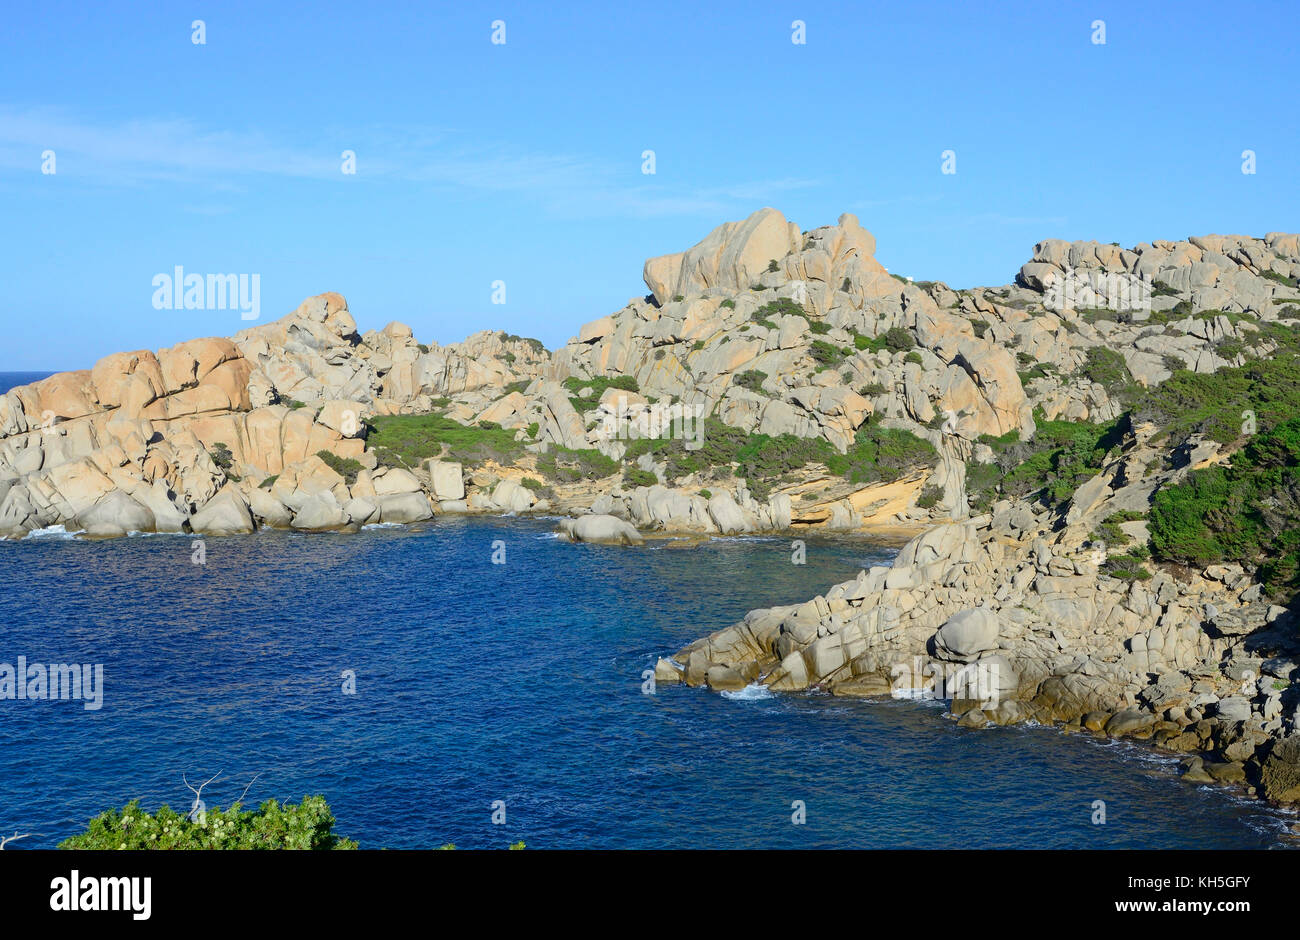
[{"x": 476, "y": 681}]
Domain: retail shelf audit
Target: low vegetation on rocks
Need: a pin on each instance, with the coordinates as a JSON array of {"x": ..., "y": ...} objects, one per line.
[
  {"x": 1246, "y": 511},
  {"x": 568, "y": 465},
  {"x": 408, "y": 440},
  {"x": 1214, "y": 404},
  {"x": 764, "y": 461},
  {"x": 584, "y": 400},
  {"x": 884, "y": 454},
  {"x": 346, "y": 467},
  {"x": 1048, "y": 468}
]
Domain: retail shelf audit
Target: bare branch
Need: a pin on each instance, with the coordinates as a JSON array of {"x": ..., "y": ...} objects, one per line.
[
  {"x": 198, "y": 808},
  {"x": 5, "y": 840},
  {"x": 199, "y": 792},
  {"x": 247, "y": 788}
]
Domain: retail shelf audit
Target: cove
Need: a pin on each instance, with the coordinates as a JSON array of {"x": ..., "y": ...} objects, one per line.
[{"x": 521, "y": 683}]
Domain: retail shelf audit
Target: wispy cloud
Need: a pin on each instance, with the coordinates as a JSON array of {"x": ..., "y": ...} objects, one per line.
[{"x": 146, "y": 152}]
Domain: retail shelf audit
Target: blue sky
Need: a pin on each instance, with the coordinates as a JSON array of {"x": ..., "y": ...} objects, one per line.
[{"x": 522, "y": 162}]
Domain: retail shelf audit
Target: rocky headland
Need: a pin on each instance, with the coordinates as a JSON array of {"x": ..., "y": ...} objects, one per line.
[{"x": 1102, "y": 498}]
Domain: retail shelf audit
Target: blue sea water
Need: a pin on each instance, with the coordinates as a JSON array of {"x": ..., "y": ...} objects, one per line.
[
  {"x": 520, "y": 682},
  {"x": 9, "y": 380}
]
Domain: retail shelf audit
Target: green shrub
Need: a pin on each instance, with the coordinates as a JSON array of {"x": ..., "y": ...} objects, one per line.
[
  {"x": 826, "y": 353},
  {"x": 1246, "y": 512},
  {"x": 1001, "y": 442},
  {"x": 819, "y": 327},
  {"x": 773, "y": 267},
  {"x": 1213, "y": 403},
  {"x": 1040, "y": 371},
  {"x": 346, "y": 467},
  {"x": 529, "y": 483},
  {"x": 268, "y": 482},
  {"x": 751, "y": 379},
  {"x": 881, "y": 454},
  {"x": 408, "y": 440},
  {"x": 1126, "y": 567},
  {"x": 567, "y": 465},
  {"x": 981, "y": 484},
  {"x": 782, "y": 306},
  {"x": 1108, "y": 369},
  {"x": 898, "y": 339},
  {"x": 598, "y": 386},
  {"x": 635, "y": 476},
  {"x": 221, "y": 456},
  {"x": 1109, "y": 532},
  {"x": 1050, "y": 467},
  {"x": 1095, "y": 314},
  {"x": 1228, "y": 349},
  {"x": 872, "y": 390},
  {"x": 929, "y": 496},
  {"x": 308, "y": 825},
  {"x": 1280, "y": 278},
  {"x": 536, "y": 345},
  {"x": 877, "y": 453}
]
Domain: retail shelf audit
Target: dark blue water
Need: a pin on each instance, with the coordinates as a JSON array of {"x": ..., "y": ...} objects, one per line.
[
  {"x": 522, "y": 683},
  {"x": 9, "y": 380}
]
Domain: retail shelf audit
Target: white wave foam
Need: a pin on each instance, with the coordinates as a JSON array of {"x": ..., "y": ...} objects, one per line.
[
  {"x": 382, "y": 525},
  {"x": 750, "y": 693},
  {"x": 53, "y": 532},
  {"x": 915, "y": 695}
]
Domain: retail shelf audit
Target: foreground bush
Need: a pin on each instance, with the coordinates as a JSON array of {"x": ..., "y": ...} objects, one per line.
[{"x": 309, "y": 825}]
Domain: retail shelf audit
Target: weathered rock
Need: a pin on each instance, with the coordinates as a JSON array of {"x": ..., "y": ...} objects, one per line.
[
  {"x": 225, "y": 514},
  {"x": 447, "y": 479},
  {"x": 1280, "y": 770},
  {"x": 598, "y": 528},
  {"x": 967, "y": 634},
  {"x": 116, "y": 514}
]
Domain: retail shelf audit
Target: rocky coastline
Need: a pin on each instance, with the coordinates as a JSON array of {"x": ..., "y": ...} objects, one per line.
[{"x": 779, "y": 381}]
